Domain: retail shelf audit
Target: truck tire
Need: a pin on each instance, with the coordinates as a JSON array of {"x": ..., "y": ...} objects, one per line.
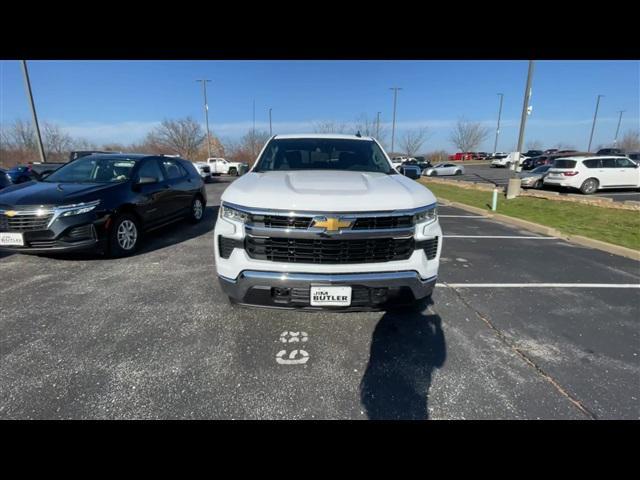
[{"x": 233, "y": 171}]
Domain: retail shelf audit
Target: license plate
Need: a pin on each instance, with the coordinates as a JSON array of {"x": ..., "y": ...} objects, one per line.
[
  {"x": 11, "y": 239},
  {"x": 330, "y": 296},
  {"x": 555, "y": 175}
]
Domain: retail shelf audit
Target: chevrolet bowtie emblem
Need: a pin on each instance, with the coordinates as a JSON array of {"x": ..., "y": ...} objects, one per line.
[
  {"x": 331, "y": 224},
  {"x": 10, "y": 213}
]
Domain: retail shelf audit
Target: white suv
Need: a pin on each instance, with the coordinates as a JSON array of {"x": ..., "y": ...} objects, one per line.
[
  {"x": 325, "y": 221},
  {"x": 589, "y": 174}
]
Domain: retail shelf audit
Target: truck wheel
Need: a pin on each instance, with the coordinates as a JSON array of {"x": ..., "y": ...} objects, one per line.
[
  {"x": 233, "y": 171},
  {"x": 589, "y": 186},
  {"x": 124, "y": 236}
]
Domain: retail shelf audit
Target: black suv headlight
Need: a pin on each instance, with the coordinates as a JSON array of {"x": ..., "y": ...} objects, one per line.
[{"x": 76, "y": 209}]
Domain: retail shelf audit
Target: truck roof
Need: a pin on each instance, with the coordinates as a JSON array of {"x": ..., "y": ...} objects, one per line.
[{"x": 322, "y": 135}]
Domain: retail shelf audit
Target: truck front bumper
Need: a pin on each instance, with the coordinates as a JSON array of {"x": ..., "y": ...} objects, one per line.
[{"x": 370, "y": 291}]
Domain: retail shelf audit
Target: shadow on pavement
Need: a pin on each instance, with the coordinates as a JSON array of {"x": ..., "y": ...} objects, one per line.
[
  {"x": 179, "y": 232},
  {"x": 406, "y": 346}
]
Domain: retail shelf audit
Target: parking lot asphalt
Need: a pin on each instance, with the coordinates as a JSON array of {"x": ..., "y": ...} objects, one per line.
[
  {"x": 500, "y": 176},
  {"x": 511, "y": 333}
]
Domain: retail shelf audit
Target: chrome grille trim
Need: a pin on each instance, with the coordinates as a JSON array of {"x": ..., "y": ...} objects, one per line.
[{"x": 314, "y": 213}]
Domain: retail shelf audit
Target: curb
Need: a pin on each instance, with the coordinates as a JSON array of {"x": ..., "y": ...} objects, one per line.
[
  {"x": 607, "y": 247},
  {"x": 552, "y": 232}
]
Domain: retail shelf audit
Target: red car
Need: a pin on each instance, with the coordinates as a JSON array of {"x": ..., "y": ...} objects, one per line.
[{"x": 461, "y": 156}]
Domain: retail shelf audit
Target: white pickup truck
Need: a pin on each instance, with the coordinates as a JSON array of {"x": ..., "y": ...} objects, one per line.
[
  {"x": 325, "y": 221},
  {"x": 221, "y": 166},
  {"x": 506, "y": 162}
]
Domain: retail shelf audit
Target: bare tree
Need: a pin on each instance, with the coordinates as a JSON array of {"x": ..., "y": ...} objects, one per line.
[
  {"x": 467, "y": 136},
  {"x": 412, "y": 140},
  {"x": 243, "y": 149},
  {"x": 534, "y": 145},
  {"x": 437, "y": 156},
  {"x": 20, "y": 135},
  {"x": 368, "y": 127},
  {"x": 564, "y": 146},
  {"x": 330, "y": 126},
  {"x": 630, "y": 141},
  {"x": 57, "y": 143},
  {"x": 19, "y": 142},
  {"x": 181, "y": 137}
]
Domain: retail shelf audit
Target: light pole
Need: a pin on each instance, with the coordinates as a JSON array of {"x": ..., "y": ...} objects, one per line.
[
  {"x": 393, "y": 128},
  {"x": 253, "y": 133},
  {"x": 378, "y": 126},
  {"x": 615, "y": 140},
  {"x": 593, "y": 127},
  {"x": 206, "y": 113},
  {"x": 270, "y": 127},
  {"x": 513, "y": 187},
  {"x": 27, "y": 83},
  {"x": 495, "y": 145}
]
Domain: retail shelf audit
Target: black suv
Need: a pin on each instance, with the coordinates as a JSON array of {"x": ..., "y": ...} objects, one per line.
[
  {"x": 533, "y": 153},
  {"x": 100, "y": 202}
]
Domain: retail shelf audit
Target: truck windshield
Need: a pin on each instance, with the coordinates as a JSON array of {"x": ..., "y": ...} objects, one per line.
[
  {"x": 323, "y": 154},
  {"x": 93, "y": 169}
]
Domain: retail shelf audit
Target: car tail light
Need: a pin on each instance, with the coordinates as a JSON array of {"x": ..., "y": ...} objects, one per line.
[{"x": 570, "y": 174}]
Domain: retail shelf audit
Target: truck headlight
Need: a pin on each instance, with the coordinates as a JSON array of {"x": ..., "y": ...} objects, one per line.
[
  {"x": 233, "y": 214},
  {"x": 77, "y": 209},
  {"x": 426, "y": 216}
]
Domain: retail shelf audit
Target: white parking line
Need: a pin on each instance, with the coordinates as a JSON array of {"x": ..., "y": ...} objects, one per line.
[
  {"x": 539, "y": 285},
  {"x": 462, "y": 216},
  {"x": 501, "y": 236}
]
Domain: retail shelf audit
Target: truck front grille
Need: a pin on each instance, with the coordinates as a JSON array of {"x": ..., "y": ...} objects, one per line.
[
  {"x": 280, "y": 221},
  {"x": 371, "y": 223},
  {"x": 329, "y": 251},
  {"x": 361, "y": 223}
]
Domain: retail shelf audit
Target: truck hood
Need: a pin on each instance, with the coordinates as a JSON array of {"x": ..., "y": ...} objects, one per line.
[
  {"x": 51, "y": 194},
  {"x": 327, "y": 191}
]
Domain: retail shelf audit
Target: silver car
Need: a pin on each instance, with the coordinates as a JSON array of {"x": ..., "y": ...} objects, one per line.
[
  {"x": 535, "y": 178},
  {"x": 442, "y": 169}
]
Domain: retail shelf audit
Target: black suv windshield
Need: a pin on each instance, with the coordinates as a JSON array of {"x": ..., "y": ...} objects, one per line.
[
  {"x": 323, "y": 154},
  {"x": 94, "y": 169}
]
